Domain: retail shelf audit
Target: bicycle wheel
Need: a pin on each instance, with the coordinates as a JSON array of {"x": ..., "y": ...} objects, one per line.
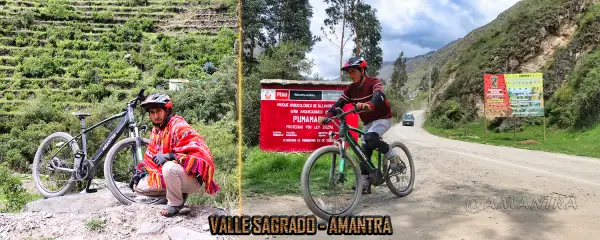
[
  {"x": 400, "y": 148},
  {"x": 119, "y": 167},
  {"x": 63, "y": 159},
  {"x": 324, "y": 190}
]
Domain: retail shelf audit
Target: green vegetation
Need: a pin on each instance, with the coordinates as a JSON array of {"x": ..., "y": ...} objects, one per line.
[
  {"x": 504, "y": 46},
  {"x": 63, "y": 56},
  {"x": 95, "y": 225},
  {"x": 580, "y": 143},
  {"x": 13, "y": 196},
  {"x": 514, "y": 36},
  {"x": 261, "y": 168}
]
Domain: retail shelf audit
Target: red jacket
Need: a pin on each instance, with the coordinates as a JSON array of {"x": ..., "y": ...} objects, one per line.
[
  {"x": 190, "y": 149},
  {"x": 363, "y": 93}
]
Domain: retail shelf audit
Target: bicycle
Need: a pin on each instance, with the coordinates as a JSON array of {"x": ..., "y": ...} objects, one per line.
[
  {"x": 378, "y": 175},
  {"x": 84, "y": 168}
]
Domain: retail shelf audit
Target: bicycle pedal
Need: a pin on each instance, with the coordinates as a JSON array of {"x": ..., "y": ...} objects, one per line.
[{"x": 91, "y": 190}]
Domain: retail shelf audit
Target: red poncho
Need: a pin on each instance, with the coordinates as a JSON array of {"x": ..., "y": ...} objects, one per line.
[{"x": 190, "y": 150}]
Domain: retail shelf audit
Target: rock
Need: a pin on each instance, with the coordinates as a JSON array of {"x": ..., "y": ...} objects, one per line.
[
  {"x": 150, "y": 228},
  {"x": 180, "y": 233},
  {"x": 115, "y": 218},
  {"x": 185, "y": 210},
  {"x": 48, "y": 215}
]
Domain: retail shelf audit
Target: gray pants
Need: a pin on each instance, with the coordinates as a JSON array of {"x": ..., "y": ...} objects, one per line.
[
  {"x": 177, "y": 181},
  {"x": 380, "y": 126}
]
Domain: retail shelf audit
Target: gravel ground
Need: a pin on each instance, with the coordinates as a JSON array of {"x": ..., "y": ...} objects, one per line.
[{"x": 455, "y": 179}]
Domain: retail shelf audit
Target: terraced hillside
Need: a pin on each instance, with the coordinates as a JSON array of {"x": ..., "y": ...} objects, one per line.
[{"x": 78, "y": 52}]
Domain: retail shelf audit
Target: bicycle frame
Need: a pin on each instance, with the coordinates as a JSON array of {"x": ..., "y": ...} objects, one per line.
[
  {"x": 344, "y": 133},
  {"x": 127, "y": 121}
]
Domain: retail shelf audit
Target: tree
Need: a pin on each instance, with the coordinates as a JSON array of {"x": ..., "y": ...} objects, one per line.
[
  {"x": 268, "y": 23},
  {"x": 282, "y": 62},
  {"x": 368, "y": 36},
  {"x": 435, "y": 76},
  {"x": 253, "y": 21},
  {"x": 339, "y": 16},
  {"x": 399, "y": 76},
  {"x": 289, "y": 21}
]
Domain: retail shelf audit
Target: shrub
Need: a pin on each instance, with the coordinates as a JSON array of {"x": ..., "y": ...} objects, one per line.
[
  {"x": 12, "y": 188},
  {"x": 41, "y": 67}
]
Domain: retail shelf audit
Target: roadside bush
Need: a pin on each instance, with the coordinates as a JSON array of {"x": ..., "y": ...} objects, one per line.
[
  {"x": 12, "y": 188},
  {"x": 220, "y": 138}
]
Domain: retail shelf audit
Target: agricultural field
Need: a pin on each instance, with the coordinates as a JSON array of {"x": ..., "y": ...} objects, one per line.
[{"x": 79, "y": 52}]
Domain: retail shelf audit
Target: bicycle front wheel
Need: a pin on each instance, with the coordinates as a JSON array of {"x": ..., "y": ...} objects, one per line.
[
  {"x": 326, "y": 190},
  {"x": 119, "y": 167}
]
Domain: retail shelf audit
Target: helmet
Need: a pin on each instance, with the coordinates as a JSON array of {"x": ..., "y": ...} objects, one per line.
[
  {"x": 355, "y": 62},
  {"x": 158, "y": 99}
]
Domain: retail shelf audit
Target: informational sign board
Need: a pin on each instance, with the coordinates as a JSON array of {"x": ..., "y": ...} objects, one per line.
[
  {"x": 289, "y": 113},
  {"x": 497, "y": 102},
  {"x": 514, "y": 95},
  {"x": 526, "y": 93}
]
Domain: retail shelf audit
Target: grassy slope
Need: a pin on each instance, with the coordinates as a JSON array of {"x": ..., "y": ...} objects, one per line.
[
  {"x": 266, "y": 173},
  {"x": 567, "y": 142}
]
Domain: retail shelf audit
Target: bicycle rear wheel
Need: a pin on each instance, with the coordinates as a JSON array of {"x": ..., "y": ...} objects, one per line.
[
  {"x": 407, "y": 161},
  {"x": 325, "y": 183},
  {"x": 45, "y": 175},
  {"x": 119, "y": 167}
]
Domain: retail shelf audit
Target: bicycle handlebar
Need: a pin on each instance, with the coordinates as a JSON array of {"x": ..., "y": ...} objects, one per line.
[
  {"x": 343, "y": 114},
  {"x": 140, "y": 96}
]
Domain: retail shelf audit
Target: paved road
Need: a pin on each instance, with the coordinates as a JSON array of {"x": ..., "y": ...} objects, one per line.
[{"x": 450, "y": 174}]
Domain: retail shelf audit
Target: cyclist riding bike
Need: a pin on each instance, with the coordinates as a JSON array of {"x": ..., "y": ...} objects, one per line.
[
  {"x": 177, "y": 161},
  {"x": 367, "y": 93}
]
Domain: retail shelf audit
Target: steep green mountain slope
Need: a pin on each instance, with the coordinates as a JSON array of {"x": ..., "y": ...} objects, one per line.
[
  {"x": 78, "y": 52},
  {"x": 556, "y": 37}
]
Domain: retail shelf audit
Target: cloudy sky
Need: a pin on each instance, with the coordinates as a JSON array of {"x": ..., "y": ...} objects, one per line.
[{"x": 413, "y": 26}]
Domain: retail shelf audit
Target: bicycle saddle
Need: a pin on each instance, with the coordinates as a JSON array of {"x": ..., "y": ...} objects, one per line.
[{"x": 81, "y": 115}]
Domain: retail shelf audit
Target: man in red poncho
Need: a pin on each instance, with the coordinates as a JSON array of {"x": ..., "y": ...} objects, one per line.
[{"x": 177, "y": 161}]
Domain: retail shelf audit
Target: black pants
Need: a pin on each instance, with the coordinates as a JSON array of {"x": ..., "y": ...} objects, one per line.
[{"x": 372, "y": 142}]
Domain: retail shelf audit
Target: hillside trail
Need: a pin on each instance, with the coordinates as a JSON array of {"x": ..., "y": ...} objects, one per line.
[{"x": 74, "y": 216}]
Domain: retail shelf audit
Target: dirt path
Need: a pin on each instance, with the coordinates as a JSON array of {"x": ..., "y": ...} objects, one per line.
[
  {"x": 450, "y": 173},
  {"x": 73, "y": 217}
]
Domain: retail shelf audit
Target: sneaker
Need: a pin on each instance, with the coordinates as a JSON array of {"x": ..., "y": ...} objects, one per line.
[
  {"x": 366, "y": 183},
  {"x": 396, "y": 165}
]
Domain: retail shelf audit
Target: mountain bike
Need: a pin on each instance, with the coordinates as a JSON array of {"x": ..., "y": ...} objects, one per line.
[
  {"x": 78, "y": 167},
  {"x": 329, "y": 178}
]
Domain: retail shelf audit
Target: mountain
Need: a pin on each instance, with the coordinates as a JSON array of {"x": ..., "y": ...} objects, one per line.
[
  {"x": 412, "y": 64},
  {"x": 556, "y": 37}
]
